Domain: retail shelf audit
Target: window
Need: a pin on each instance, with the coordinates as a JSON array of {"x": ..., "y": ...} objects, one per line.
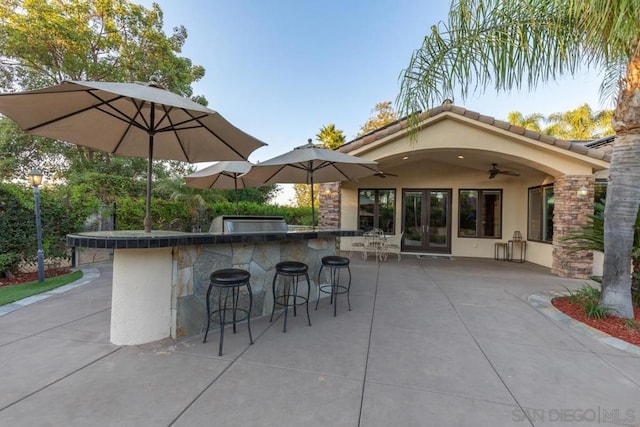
[
  {"x": 541, "y": 203},
  {"x": 480, "y": 213},
  {"x": 376, "y": 209}
]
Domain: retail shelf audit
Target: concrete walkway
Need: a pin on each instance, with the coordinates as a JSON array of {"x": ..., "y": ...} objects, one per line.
[{"x": 429, "y": 342}]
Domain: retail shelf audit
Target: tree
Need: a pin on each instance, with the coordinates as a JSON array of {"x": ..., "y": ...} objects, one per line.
[
  {"x": 531, "y": 121},
  {"x": 19, "y": 152},
  {"x": 328, "y": 137},
  {"x": 45, "y": 42},
  {"x": 511, "y": 44},
  {"x": 384, "y": 114},
  {"x": 590, "y": 237},
  {"x": 303, "y": 194},
  {"x": 581, "y": 123}
]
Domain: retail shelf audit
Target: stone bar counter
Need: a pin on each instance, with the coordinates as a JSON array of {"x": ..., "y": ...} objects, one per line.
[{"x": 160, "y": 279}]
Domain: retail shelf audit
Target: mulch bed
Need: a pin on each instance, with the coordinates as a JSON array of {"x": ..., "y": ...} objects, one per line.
[
  {"x": 613, "y": 326},
  {"x": 31, "y": 277}
]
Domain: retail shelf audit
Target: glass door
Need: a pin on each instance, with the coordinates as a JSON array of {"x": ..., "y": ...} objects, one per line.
[{"x": 426, "y": 220}]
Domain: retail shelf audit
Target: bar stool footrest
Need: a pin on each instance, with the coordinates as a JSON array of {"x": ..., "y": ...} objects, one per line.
[
  {"x": 280, "y": 300},
  {"x": 337, "y": 289},
  {"x": 214, "y": 316}
]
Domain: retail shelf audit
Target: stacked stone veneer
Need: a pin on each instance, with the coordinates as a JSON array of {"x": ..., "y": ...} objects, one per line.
[
  {"x": 569, "y": 213},
  {"x": 193, "y": 265},
  {"x": 329, "y": 210}
]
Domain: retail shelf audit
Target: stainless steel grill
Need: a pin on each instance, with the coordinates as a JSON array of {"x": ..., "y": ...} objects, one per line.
[{"x": 225, "y": 224}]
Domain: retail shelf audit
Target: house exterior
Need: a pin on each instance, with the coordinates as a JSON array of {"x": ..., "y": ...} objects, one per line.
[{"x": 466, "y": 182}]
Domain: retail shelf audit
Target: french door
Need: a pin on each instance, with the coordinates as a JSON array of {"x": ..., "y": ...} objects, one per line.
[{"x": 426, "y": 220}]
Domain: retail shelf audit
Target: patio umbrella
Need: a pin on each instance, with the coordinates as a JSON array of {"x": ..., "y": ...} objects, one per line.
[
  {"x": 311, "y": 164},
  {"x": 225, "y": 175},
  {"x": 129, "y": 119}
]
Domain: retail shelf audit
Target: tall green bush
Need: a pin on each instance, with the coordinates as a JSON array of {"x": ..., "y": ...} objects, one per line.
[
  {"x": 174, "y": 215},
  {"x": 61, "y": 213},
  {"x": 17, "y": 226}
]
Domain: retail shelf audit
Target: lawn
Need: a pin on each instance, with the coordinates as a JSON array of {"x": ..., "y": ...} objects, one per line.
[{"x": 12, "y": 293}]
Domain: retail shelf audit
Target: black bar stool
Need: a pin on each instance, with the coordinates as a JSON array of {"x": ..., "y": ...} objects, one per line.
[
  {"x": 291, "y": 272},
  {"x": 334, "y": 264},
  {"x": 225, "y": 281}
]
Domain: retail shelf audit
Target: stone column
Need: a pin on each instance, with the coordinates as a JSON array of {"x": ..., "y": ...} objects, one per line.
[
  {"x": 569, "y": 212},
  {"x": 329, "y": 210}
]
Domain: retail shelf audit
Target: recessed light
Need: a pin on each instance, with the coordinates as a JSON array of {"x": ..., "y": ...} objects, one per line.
[
  {"x": 461, "y": 157},
  {"x": 405, "y": 157}
]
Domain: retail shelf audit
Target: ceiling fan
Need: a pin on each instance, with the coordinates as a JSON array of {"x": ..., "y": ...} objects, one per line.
[
  {"x": 385, "y": 174},
  {"x": 495, "y": 171}
]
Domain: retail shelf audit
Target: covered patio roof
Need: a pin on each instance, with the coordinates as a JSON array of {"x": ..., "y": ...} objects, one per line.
[{"x": 481, "y": 140}]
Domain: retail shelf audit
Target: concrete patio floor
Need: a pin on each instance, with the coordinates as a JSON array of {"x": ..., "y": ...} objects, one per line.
[{"x": 429, "y": 342}]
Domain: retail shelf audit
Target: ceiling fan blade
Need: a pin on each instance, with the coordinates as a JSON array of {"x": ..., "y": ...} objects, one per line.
[
  {"x": 385, "y": 174},
  {"x": 495, "y": 171}
]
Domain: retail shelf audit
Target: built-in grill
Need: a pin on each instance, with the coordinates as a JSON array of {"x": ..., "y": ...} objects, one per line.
[{"x": 225, "y": 224}]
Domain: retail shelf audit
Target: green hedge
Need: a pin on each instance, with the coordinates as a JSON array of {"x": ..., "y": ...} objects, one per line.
[
  {"x": 170, "y": 215},
  {"x": 62, "y": 211}
]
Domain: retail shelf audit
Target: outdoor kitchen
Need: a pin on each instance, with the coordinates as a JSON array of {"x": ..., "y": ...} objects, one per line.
[{"x": 160, "y": 278}]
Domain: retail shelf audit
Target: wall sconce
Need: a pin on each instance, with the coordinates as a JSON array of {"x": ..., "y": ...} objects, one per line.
[{"x": 582, "y": 193}]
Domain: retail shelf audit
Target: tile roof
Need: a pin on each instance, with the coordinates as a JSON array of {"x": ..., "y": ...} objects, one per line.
[{"x": 594, "y": 150}]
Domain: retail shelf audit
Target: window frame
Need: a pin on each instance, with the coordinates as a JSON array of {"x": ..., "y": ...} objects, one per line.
[
  {"x": 376, "y": 209},
  {"x": 543, "y": 213},
  {"x": 480, "y": 211}
]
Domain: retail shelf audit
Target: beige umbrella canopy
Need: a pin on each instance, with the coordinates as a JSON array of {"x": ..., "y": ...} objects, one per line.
[
  {"x": 224, "y": 175},
  {"x": 129, "y": 119},
  {"x": 311, "y": 164}
]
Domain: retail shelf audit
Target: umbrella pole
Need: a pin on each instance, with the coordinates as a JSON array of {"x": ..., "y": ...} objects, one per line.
[
  {"x": 313, "y": 220},
  {"x": 147, "y": 217},
  {"x": 235, "y": 188}
]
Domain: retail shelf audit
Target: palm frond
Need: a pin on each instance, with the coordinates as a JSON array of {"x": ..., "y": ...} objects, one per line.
[{"x": 515, "y": 44}]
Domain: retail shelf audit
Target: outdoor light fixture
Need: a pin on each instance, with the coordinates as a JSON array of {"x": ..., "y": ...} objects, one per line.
[
  {"x": 35, "y": 179},
  {"x": 582, "y": 192}
]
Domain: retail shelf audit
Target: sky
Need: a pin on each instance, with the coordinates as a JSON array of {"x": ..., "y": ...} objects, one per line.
[{"x": 281, "y": 69}]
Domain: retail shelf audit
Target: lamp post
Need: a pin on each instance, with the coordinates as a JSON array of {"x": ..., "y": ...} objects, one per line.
[{"x": 35, "y": 179}]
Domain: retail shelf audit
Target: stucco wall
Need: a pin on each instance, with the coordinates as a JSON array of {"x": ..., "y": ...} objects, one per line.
[{"x": 437, "y": 146}]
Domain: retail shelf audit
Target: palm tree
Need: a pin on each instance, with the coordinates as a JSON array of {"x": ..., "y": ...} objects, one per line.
[
  {"x": 531, "y": 121},
  {"x": 511, "y": 44},
  {"x": 330, "y": 137},
  {"x": 581, "y": 123}
]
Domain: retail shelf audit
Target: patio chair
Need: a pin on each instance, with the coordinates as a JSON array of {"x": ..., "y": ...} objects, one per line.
[
  {"x": 374, "y": 243},
  {"x": 358, "y": 244},
  {"x": 393, "y": 245}
]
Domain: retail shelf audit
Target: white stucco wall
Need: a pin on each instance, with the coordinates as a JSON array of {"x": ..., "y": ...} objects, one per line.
[
  {"x": 141, "y": 298},
  {"x": 453, "y": 136}
]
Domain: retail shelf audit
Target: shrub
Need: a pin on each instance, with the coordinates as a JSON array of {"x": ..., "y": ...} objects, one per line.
[
  {"x": 588, "y": 298},
  {"x": 60, "y": 214}
]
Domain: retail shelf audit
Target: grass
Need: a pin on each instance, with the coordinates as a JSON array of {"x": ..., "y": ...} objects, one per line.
[{"x": 12, "y": 293}]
